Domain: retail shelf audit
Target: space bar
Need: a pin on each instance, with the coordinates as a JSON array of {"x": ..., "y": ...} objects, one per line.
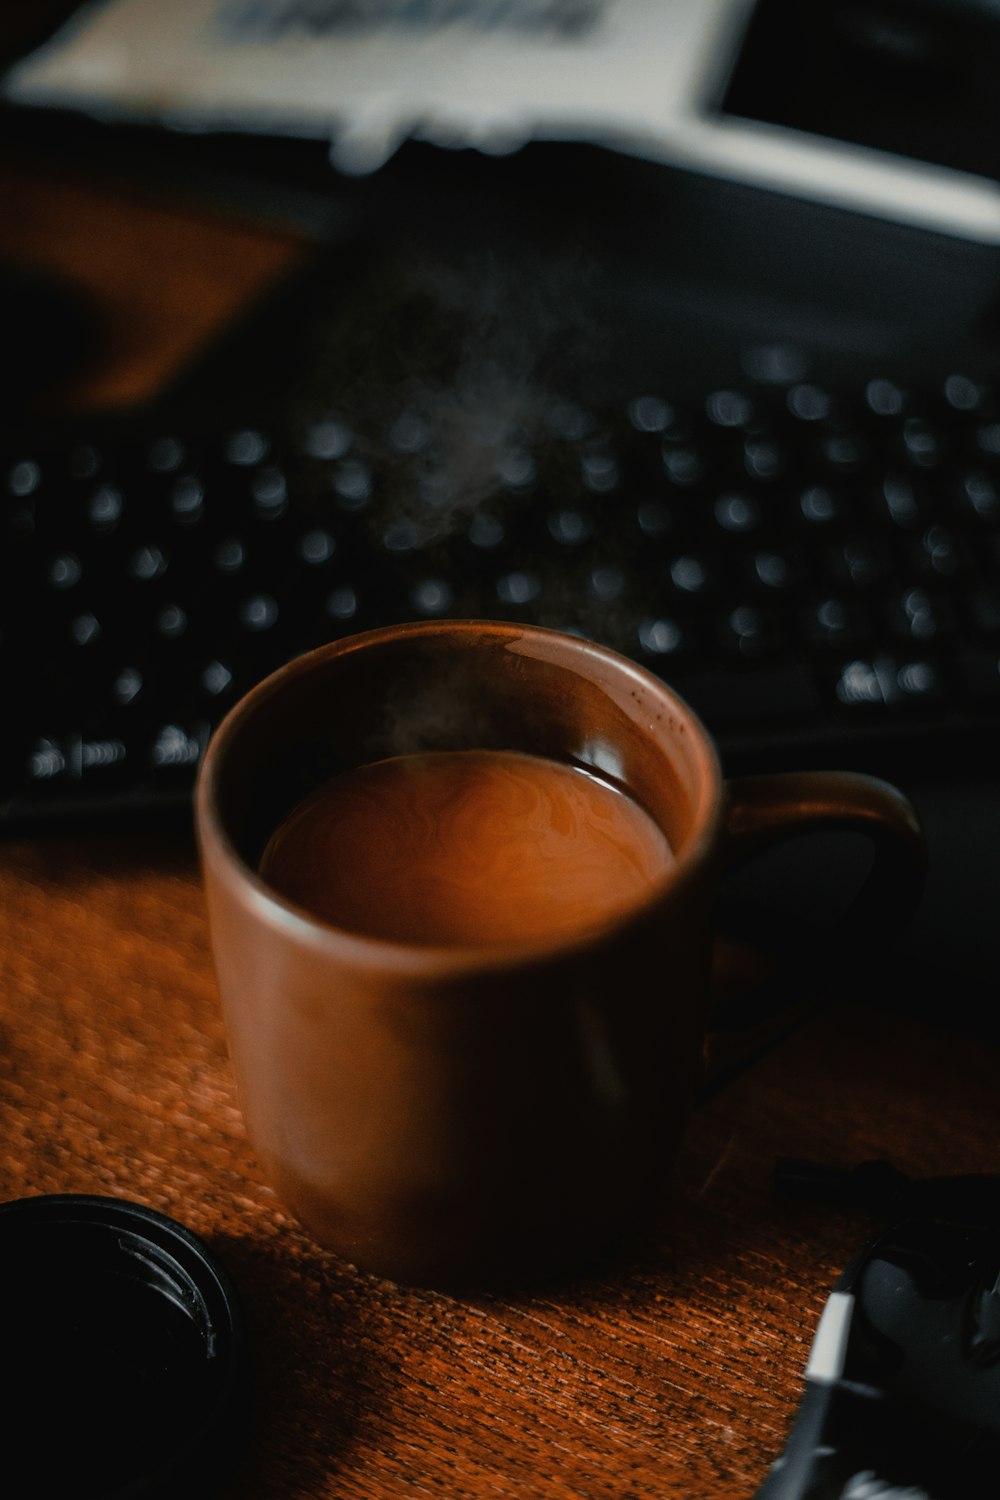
[{"x": 727, "y": 699}]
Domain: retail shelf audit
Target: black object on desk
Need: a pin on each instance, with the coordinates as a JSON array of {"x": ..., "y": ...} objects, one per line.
[
  {"x": 127, "y": 1343},
  {"x": 903, "y": 1375}
]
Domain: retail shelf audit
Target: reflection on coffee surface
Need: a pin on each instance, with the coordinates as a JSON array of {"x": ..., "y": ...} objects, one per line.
[{"x": 466, "y": 847}]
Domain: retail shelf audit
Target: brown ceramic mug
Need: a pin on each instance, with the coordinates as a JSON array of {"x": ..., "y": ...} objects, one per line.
[{"x": 450, "y": 1115}]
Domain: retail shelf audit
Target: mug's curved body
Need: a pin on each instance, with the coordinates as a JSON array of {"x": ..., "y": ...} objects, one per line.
[{"x": 451, "y": 1115}]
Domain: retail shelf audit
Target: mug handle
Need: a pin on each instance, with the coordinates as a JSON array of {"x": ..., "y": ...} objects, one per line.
[{"x": 765, "y": 810}]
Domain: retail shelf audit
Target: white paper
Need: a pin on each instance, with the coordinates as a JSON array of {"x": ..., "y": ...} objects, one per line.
[
  {"x": 639, "y": 76},
  {"x": 368, "y": 73}
]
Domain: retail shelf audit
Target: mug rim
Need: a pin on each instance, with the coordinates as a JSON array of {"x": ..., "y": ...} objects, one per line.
[{"x": 434, "y": 959}]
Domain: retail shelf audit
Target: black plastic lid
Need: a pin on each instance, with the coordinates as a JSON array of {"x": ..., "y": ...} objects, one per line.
[{"x": 124, "y": 1350}]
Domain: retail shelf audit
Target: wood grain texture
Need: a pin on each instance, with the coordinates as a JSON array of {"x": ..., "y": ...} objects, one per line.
[{"x": 673, "y": 1373}]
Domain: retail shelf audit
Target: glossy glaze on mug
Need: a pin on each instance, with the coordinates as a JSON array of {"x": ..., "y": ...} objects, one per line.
[
  {"x": 455, "y": 1114},
  {"x": 464, "y": 848},
  {"x": 460, "y": 1115}
]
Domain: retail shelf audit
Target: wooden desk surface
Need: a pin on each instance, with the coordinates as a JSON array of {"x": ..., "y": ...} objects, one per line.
[{"x": 674, "y": 1375}]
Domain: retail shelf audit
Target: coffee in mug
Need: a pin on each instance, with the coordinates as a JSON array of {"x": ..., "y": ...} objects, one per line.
[{"x": 466, "y": 848}]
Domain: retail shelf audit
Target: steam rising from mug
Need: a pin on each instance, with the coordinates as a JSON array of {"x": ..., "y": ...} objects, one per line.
[
  {"x": 455, "y": 382},
  {"x": 445, "y": 707}
]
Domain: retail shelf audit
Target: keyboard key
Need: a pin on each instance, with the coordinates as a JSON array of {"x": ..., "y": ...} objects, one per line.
[
  {"x": 166, "y": 454},
  {"x": 729, "y": 409},
  {"x": 352, "y": 484},
  {"x": 518, "y": 588},
  {"x": 838, "y": 624},
  {"x": 606, "y": 583},
  {"x": 751, "y": 633},
  {"x": 921, "y": 443},
  {"x": 486, "y": 530},
  {"x": 269, "y": 489},
  {"x": 172, "y": 622},
  {"x": 690, "y": 575},
  {"x": 127, "y": 686},
  {"x": 516, "y": 469},
  {"x": 258, "y": 612},
  {"x": 860, "y": 563},
  {"x": 247, "y": 448},
  {"x": 175, "y": 750},
  {"x": 864, "y": 684},
  {"x": 569, "y": 526},
  {"x": 884, "y": 681},
  {"x": 903, "y": 506},
  {"x": 737, "y": 514},
  {"x": 317, "y": 547},
  {"x": 79, "y": 766},
  {"x": 408, "y": 433},
  {"x": 47, "y": 763},
  {"x": 229, "y": 556},
  {"x": 85, "y": 462},
  {"x": 884, "y": 398},
  {"x": 777, "y": 570},
  {"x": 650, "y": 414},
  {"x": 24, "y": 478},
  {"x": 105, "y": 507},
  {"x": 682, "y": 465},
  {"x": 402, "y": 535},
  {"x": 432, "y": 596},
  {"x": 963, "y": 394},
  {"x": 809, "y": 403},
  {"x": 919, "y": 616},
  {"x": 568, "y": 420},
  {"x": 599, "y": 471},
  {"x": 217, "y": 679},
  {"x": 660, "y": 637},
  {"x": 763, "y": 458},
  {"x": 939, "y": 554},
  {"x": 102, "y": 765},
  {"x": 978, "y": 495},
  {"x": 187, "y": 500},
  {"x": 342, "y": 603},
  {"x": 65, "y": 571},
  {"x": 920, "y": 681},
  {"x": 328, "y": 439},
  {"x": 845, "y": 452},
  {"x": 147, "y": 562},
  {"x": 820, "y": 506},
  {"x": 85, "y": 630}
]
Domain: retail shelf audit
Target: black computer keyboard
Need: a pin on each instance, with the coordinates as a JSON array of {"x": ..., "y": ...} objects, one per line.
[{"x": 816, "y": 569}]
